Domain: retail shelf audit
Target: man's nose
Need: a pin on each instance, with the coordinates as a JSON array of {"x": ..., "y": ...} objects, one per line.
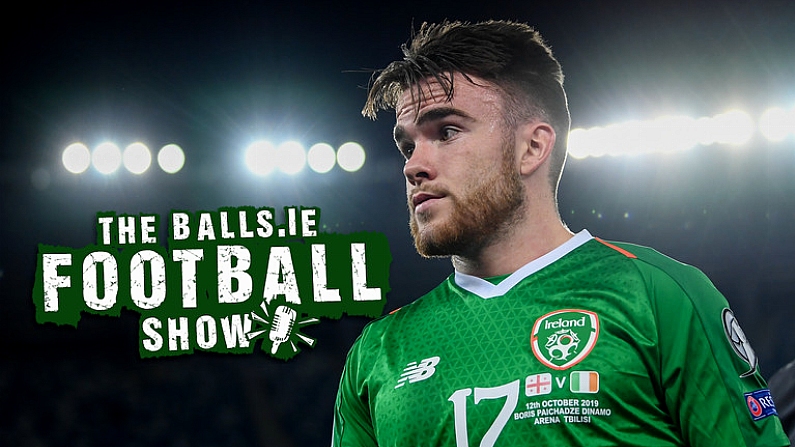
[{"x": 421, "y": 165}]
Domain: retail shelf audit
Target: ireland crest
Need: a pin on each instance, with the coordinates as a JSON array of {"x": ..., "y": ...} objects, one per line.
[{"x": 562, "y": 338}]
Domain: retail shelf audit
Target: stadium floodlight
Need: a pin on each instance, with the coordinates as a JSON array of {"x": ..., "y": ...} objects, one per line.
[
  {"x": 137, "y": 158},
  {"x": 735, "y": 127},
  {"x": 350, "y": 156},
  {"x": 673, "y": 134},
  {"x": 106, "y": 158},
  {"x": 776, "y": 123},
  {"x": 665, "y": 134},
  {"x": 76, "y": 158},
  {"x": 171, "y": 158},
  {"x": 707, "y": 131},
  {"x": 321, "y": 158},
  {"x": 625, "y": 138},
  {"x": 587, "y": 143},
  {"x": 260, "y": 157},
  {"x": 291, "y": 157}
]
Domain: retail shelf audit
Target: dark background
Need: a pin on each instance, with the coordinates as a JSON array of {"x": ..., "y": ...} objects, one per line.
[{"x": 212, "y": 76}]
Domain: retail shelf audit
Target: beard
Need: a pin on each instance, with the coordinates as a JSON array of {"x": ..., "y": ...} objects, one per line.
[{"x": 481, "y": 213}]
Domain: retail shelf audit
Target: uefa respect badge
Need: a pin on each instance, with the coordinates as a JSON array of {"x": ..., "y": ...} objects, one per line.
[{"x": 563, "y": 338}]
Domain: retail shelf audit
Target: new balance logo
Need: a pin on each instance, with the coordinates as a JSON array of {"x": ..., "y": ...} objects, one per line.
[{"x": 414, "y": 372}]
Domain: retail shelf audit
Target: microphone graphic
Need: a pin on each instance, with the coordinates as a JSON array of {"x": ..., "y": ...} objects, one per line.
[{"x": 283, "y": 320}]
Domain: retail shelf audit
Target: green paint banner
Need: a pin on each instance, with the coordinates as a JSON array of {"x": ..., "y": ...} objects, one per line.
[{"x": 226, "y": 281}]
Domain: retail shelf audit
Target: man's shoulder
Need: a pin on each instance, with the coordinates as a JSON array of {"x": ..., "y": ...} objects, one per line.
[
  {"x": 641, "y": 252},
  {"x": 657, "y": 268},
  {"x": 650, "y": 258}
]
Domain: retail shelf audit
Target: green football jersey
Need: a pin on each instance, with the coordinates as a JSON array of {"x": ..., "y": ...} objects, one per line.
[{"x": 593, "y": 344}]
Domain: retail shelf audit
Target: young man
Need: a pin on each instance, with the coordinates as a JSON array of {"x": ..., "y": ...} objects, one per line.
[{"x": 541, "y": 336}]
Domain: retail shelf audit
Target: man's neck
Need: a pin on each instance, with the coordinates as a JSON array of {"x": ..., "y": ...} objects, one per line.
[{"x": 509, "y": 252}]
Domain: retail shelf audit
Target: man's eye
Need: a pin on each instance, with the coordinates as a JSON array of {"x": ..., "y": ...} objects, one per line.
[
  {"x": 448, "y": 132},
  {"x": 406, "y": 150}
]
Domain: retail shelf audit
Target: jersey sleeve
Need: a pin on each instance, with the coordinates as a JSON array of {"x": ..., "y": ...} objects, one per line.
[
  {"x": 353, "y": 423},
  {"x": 782, "y": 386},
  {"x": 708, "y": 373}
]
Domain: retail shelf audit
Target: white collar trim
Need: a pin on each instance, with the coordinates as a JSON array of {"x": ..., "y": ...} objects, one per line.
[{"x": 485, "y": 289}]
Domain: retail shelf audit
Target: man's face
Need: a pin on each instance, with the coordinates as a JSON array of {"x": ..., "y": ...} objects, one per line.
[{"x": 462, "y": 184}]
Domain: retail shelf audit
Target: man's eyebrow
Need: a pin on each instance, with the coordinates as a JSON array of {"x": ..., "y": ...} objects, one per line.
[
  {"x": 432, "y": 115},
  {"x": 440, "y": 113}
]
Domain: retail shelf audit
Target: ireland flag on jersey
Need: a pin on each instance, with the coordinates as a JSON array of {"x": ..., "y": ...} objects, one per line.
[{"x": 584, "y": 382}]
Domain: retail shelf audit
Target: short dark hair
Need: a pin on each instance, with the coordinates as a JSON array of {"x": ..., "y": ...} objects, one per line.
[{"x": 511, "y": 55}]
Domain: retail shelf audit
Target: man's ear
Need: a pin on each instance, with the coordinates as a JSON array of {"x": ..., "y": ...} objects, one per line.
[{"x": 536, "y": 141}]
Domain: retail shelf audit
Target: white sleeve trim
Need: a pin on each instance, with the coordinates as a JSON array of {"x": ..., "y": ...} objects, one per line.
[{"x": 485, "y": 289}]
